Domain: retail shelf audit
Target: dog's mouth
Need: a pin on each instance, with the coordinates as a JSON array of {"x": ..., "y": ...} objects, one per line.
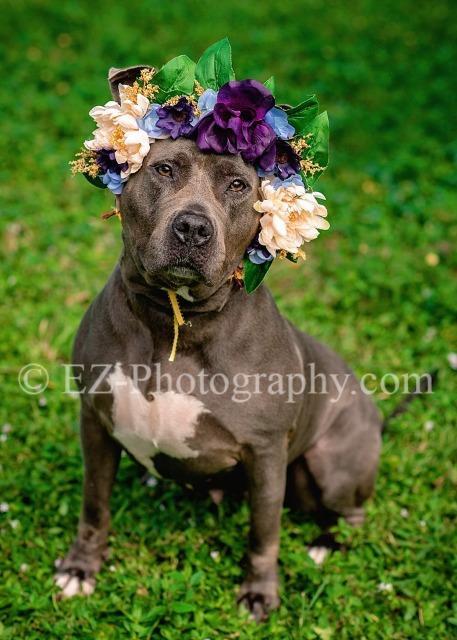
[{"x": 180, "y": 275}]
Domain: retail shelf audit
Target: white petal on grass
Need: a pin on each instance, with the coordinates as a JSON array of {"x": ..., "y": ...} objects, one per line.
[{"x": 318, "y": 554}]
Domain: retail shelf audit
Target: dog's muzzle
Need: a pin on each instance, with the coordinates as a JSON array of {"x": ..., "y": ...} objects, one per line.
[{"x": 192, "y": 229}]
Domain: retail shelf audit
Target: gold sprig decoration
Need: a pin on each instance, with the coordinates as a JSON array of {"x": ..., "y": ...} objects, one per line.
[
  {"x": 191, "y": 99},
  {"x": 86, "y": 162},
  {"x": 143, "y": 86},
  {"x": 301, "y": 146}
]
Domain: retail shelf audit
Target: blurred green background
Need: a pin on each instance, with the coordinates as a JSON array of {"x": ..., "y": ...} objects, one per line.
[{"x": 380, "y": 287}]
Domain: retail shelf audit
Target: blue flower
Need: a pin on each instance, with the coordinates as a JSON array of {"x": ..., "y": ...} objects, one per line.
[
  {"x": 207, "y": 101},
  {"x": 257, "y": 253},
  {"x": 296, "y": 180},
  {"x": 277, "y": 119},
  {"x": 149, "y": 123},
  {"x": 114, "y": 182}
]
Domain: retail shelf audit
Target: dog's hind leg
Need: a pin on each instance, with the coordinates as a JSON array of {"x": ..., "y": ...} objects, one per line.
[
  {"x": 76, "y": 572},
  {"x": 337, "y": 475},
  {"x": 343, "y": 463}
]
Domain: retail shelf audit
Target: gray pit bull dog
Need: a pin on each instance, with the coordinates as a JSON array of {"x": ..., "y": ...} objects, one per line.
[{"x": 187, "y": 219}]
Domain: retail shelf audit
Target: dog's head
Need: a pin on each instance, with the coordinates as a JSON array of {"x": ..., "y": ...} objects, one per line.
[{"x": 187, "y": 216}]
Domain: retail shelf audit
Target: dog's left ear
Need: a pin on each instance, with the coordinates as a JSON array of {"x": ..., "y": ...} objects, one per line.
[{"x": 124, "y": 76}]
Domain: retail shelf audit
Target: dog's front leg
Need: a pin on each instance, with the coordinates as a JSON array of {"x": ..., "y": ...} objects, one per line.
[
  {"x": 266, "y": 473},
  {"x": 76, "y": 573}
]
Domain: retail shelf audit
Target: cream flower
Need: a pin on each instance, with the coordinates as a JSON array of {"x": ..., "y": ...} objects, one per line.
[
  {"x": 118, "y": 129},
  {"x": 135, "y": 147},
  {"x": 104, "y": 116},
  {"x": 137, "y": 107},
  {"x": 292, "y": 216}
]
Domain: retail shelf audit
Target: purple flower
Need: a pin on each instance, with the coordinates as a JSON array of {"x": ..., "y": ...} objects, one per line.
[
  {"x": 257, "y": 253},
  {"x": 177, "y": 119},
  {"x": 106, "y": 160},
  {"x": 287, "y": 162},
  {"x": 236, "y": 124},
  {"x": 266, "y": 162}
]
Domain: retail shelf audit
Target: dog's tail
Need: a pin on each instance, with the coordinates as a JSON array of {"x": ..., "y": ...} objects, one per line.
[{"x": 427, "y": 383}]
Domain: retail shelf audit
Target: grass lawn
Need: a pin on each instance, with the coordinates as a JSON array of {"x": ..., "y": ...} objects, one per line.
[{"x": 380, "y": 287}]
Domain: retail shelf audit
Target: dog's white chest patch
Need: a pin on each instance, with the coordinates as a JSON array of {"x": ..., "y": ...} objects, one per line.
[{"x": 163, "y": 424}]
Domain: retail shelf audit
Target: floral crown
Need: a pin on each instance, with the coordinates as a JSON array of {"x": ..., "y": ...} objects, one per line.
[{"x": 288, "y": 146}]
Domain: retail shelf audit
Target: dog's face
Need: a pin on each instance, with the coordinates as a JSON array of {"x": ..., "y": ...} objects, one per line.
[{"x": 188, "y": 216}]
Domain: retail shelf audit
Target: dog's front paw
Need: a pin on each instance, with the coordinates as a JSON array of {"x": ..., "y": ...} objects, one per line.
[
  {"x": 74, "y": 582},
  {"x": 259, "y": 597},
  {"x": 75, "y": 574}
]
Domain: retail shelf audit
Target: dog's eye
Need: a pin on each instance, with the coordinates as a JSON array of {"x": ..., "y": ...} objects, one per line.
[
  {"x": 164, "y": 170},
  {"x": 237, "y": 185}
]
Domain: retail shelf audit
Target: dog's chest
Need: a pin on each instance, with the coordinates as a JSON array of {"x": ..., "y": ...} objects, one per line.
[{"x": 165, "y": 423}]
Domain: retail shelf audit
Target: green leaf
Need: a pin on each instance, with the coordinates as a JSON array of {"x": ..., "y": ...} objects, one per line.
[
  {"x": 302, "y": 115},
  {"x": 95, "y": 181},
  {"x": 214, "y": 68},
  {"x": 254, "y": 274},
  {"x": 270, "y": 84},
  {"x": 176, "y": 77},
  {"x": 183, "y": 607},
  {"x": 319, "y": 128}
]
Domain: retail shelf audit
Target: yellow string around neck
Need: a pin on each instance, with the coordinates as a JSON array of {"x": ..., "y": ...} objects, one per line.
[{"x": 178, "y": 321}]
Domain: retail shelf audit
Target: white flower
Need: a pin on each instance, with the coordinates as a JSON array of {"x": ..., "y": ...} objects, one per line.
[
  {"x": 134, "y": 148},
  {"x": 101, "y": 140},
  {"x": 104, "y": 116},
  {"x": 4, "y": 507},
  {"x": 118, "y": 129},
  {"x": 385, "y": 586},
  {"x": 452, "y": 359},
  {"x": 137, "y": 107},
  {"x": 292, "y": 216}
]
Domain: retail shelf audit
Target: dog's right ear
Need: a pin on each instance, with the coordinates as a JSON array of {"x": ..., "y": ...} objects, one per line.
[{"x": 124, "y": 76}]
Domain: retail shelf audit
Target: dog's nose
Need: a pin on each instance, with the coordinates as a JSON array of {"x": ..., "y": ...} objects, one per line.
[{"x": 192, "y": 229}]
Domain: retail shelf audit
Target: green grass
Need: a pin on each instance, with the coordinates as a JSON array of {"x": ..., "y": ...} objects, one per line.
[{"x": 380, "y": 287}]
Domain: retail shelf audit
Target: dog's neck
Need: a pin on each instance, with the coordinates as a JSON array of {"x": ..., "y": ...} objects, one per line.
[{"x": 145, "y": 296}]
